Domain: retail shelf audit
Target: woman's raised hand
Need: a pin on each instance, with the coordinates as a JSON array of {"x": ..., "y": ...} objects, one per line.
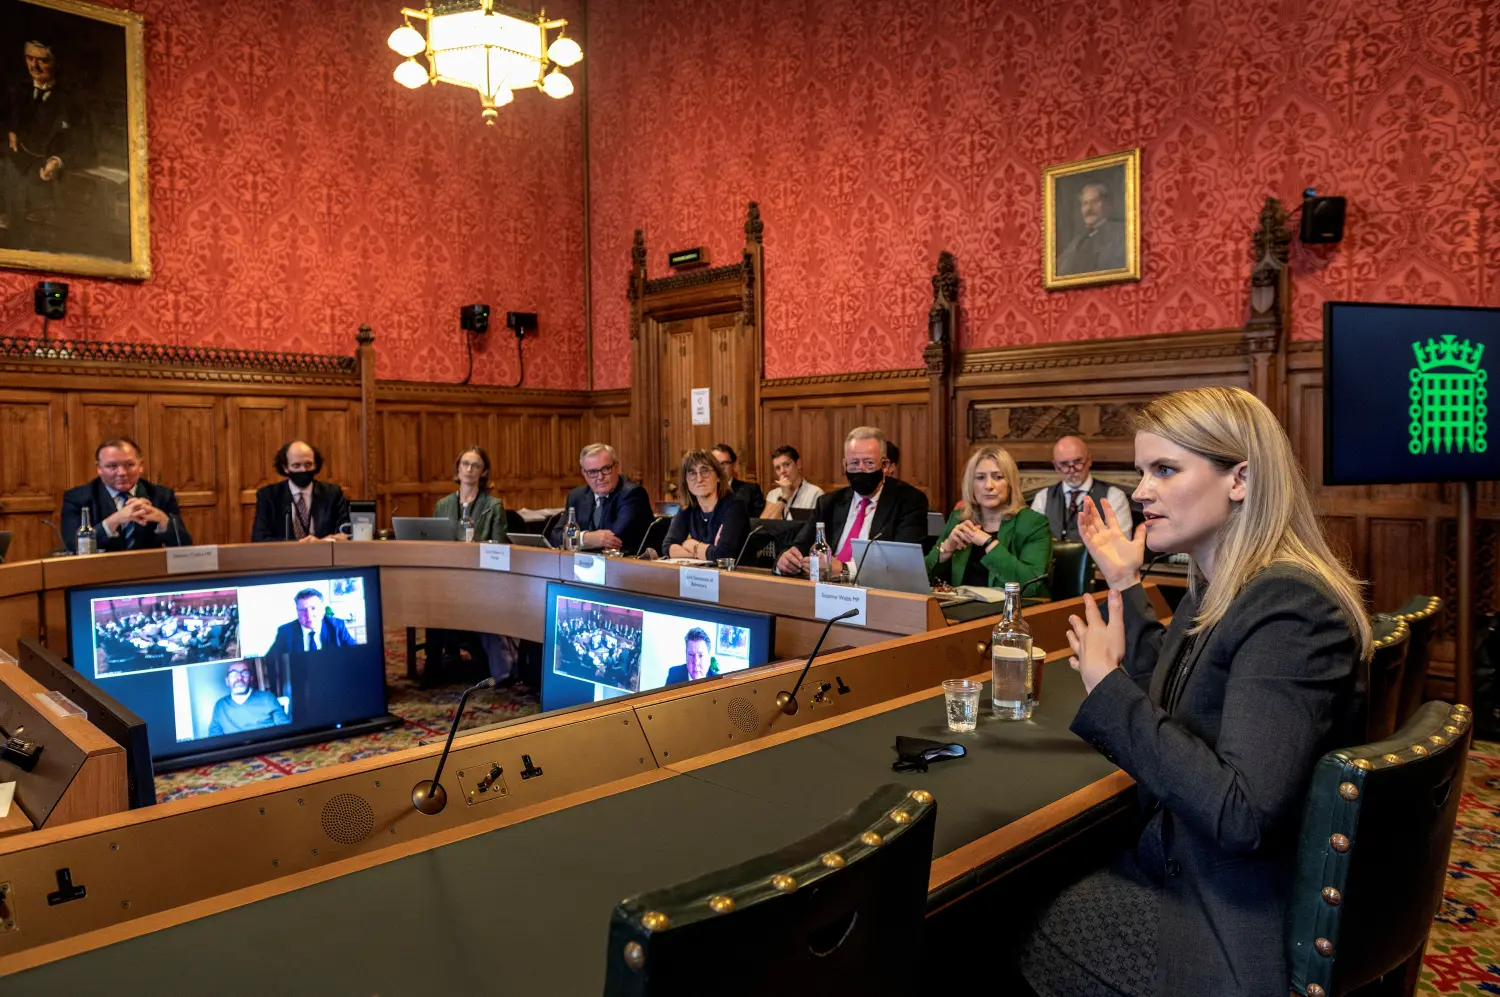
[{"x": 1118, "y": 556}]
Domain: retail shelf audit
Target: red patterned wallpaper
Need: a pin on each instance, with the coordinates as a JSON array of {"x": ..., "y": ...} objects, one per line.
[
  {"x": 297, "y": 191},
  {"x": 874, "y": 134}
]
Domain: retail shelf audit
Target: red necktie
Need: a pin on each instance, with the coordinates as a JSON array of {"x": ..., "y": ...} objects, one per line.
[{"x": 846, "y": 552}]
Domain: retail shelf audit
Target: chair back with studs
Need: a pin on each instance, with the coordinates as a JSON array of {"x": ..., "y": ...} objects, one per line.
[
  {"x": 1373, "y": 853},
  {"x": 841, "y": 911},
  {"x": 1420, "y": 614},
  {"x": 1390, "y": 641}
]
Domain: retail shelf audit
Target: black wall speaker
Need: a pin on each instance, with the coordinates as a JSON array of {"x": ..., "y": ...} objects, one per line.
[
  {"x": 474, "y": 318},
  {"x": 1322, "y": 219}
]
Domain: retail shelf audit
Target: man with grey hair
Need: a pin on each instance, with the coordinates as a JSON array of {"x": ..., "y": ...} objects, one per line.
[
  {"x": 874, "y": 506},
  {"x": 613, "y": 511},
  {"x": 1100, "y": 244}
]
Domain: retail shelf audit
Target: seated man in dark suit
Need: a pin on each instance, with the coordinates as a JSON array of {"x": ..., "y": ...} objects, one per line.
[
  {"x": 612, "y": 511},
  {"x": 747, "y": 492},
  {"x": 312, "y": 630},
  {"x": 127, "y": 511},
  {"x": 698, "y": 662},
  {"x": 245, "y": 708},
  {"x": 302, "y": 509},
  {"x": 873, "y": 506}
]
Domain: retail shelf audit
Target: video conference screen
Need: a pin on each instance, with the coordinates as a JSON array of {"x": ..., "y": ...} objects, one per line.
[
  {"x": 213, "y": 664},
  {"x": 1406, "y": 393},
  {"x": 602, "y": 643}
]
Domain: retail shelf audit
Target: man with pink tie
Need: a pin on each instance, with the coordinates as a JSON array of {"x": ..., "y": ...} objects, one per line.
[{"x": 874, "y": 506}]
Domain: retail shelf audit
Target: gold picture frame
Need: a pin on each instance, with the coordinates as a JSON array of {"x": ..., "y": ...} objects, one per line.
[
  {"x": 1099, "y": 240},
  {"x": 91, "y": 215}
]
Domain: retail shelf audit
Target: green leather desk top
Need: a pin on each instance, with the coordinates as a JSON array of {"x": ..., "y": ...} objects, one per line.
[{"x": 525, "y": 909}]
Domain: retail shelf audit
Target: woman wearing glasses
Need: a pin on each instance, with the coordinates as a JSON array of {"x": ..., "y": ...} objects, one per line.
[
  {"x": 713, "y": 522},
  {"x": 473, "y": 499},
  {"x": 993, "y": 538}
]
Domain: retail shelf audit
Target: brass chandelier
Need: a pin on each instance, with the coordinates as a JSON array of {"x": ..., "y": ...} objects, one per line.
[{"x": 485, "y": 46}]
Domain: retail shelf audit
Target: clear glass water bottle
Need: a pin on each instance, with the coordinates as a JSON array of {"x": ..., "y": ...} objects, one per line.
[
  {"x": 85, "y": 537},
  {"x": 1012, "y": 679},
  {"x": 466, "y": 524},
  {"x": 820, "y": 558},
  {"x": 572, "y": 535}
]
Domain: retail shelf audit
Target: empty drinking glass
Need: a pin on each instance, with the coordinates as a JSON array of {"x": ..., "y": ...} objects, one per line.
[{"x": 961, "y": 696}]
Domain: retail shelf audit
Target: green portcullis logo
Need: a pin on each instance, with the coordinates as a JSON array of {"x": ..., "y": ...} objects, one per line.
[{"x": 1447, "y": 397}]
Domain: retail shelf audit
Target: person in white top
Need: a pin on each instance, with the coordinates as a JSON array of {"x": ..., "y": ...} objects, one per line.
[
  {"x": 1062, "y": 502},
  {"x": 792, "y": 490}
]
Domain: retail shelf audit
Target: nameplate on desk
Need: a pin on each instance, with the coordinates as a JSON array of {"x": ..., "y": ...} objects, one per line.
[
  {"x": 701, "y": 584},
  {"x": 494, "y": 557},
  {"x": 589, "y": 568},
  {"x": 187, "y": 560},
  {"x": 831, "y": 600}
]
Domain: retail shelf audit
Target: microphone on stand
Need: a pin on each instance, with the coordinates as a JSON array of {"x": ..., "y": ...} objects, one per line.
[
  {"x": 647, "y": 535},
  {"x": 429, "y": 796},
  {"x": 740, "y": 559},
  {"x": 1032, "y": 581},
  {"x": 869, "y": 546},
  {"x": 61, "y": 550},
  {"x": 288, "y": 534},
  {"x": 786, "y": 702}
]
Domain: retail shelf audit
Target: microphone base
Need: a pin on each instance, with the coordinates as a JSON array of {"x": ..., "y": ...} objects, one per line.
[
  {"x": 785, "y": 703},
  {"x": 429, "y": 797}
]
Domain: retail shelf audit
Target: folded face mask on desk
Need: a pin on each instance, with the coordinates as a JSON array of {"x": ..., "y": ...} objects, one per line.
[{"x": 914, "y": 754}]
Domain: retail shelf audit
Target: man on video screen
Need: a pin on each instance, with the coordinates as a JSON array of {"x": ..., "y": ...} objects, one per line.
[
  {"x": 698, "y": 662},
  {"x": 312, "y": 630},
  {"x": 245, "y": 708}
]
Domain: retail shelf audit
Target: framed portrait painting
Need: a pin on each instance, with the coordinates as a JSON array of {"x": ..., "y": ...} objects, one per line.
[
  {"x": 1092, "y": 221},
  {"x": 73, "y": 155}
]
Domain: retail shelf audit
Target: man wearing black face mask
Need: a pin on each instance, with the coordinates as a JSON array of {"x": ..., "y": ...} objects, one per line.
[
  {"x": 302, "y": 508},
  {"x": 872, "y": 506}
]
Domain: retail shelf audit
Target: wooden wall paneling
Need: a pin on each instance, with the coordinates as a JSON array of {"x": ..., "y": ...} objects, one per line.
[
  {"x": 550, "y": 481},
  {"x": 185, "y": 440},
  {"x": 256, "y": 427},
  {"x": 94, "y": 417},
  {"x": 401, "y": 487},
  {"x": 733, "y": 402},
  {"x": 437, "y": 449},
  {"x": 33, "y": 459},
  {"x": 332, "y": 425}
]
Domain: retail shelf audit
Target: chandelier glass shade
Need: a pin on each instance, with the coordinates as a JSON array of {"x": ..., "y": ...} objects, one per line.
[{"x": 487, "y": 47}]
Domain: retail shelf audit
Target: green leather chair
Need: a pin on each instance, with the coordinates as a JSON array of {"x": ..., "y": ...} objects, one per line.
[
  {"x": 1392, "y": 639},
  {"x": 1373, "y": 856},
  {"x": 840, "y": 912},
  {"x": 1072, "y": 570},
  {"x": 1420, "y": 614}
]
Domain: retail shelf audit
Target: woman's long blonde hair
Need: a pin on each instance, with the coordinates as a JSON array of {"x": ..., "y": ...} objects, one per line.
[
  {"x": 1275, "y": 523},
  {"x": 1007, "y": 465}
]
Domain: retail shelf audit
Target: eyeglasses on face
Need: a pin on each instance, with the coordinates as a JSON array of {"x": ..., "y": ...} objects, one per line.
[
  {"x": 471, "y": 465},
  {"x": 598, "y": 472},
  {"x": 1076, "y": 464},
  {"x": 700, "y": 472}
]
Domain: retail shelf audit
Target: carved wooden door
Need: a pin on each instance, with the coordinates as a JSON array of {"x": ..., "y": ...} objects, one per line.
[{"x": 716, "y": 353}]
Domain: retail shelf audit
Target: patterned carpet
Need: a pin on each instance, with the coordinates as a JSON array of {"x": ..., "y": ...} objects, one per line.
[
  {"x": 1463, "y": 953},
  {"x": 427, "y": 714}
]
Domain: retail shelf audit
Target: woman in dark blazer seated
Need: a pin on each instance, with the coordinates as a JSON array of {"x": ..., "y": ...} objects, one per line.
[
  {"x": 472, "y": 472},
  {"x": 994, "y": 538},
  {"x": 1219, "y": 718},
  {"x": 713, "y": 522}
]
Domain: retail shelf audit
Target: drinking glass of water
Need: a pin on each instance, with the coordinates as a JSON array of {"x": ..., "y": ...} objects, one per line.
[{"x": 961, "y": 697}]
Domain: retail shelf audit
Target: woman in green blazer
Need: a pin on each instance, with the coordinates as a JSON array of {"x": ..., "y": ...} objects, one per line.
[
  {"x": 472, "y": 472},
  {"x": 994, "y": 538}
]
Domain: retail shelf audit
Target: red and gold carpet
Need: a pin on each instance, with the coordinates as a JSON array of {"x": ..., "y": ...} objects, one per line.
[{"x": 1463, "y": 953}]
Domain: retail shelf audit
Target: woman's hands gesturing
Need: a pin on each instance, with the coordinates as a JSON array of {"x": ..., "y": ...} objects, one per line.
[{"x": 1119, "y": 557}]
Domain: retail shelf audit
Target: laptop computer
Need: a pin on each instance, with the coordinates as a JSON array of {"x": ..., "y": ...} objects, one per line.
[
  {"x": 803, "y": 515},
  {"x": 935, "y": 523},
  {"x": 424, "y": 528},
  {"x": 896, "y": 566},
  {"x": 530, "y": 540}
]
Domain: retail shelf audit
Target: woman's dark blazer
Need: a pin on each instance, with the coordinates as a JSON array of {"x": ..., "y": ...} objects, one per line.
[{"x": 1272, "y": 687}]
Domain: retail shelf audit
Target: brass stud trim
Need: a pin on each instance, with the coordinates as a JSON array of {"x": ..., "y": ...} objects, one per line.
[
  {"x": 872, "y": 839},
  {"x": 833, "y": 860},
  {"x": 1313, "y": 990},
  {"x": 654, "y": 920},
  {"x": 1461, "y": 708},
  {"x": 783, "y": 883},
  {"x": 635, "y": 956},
  {"x": 1324, "y": 947},
  {"x": 1393, "y": 759},
  {"x": 1332, "y": 897},
  {"x": 1349, "y": 791},
  {"x": 1419, "y": 749},
  {"x": 1339, "y": 843},
  {"x": 721, "y": 904},
  {"x": 1364, "y": 764},
  {"x": 1449, "y": 728},
  {"x": 1342, "y": 757},
  {"x": 900, "y": 816},
  {"x": 922, "y": 796},
  {"x": 1438, "y": 739}
]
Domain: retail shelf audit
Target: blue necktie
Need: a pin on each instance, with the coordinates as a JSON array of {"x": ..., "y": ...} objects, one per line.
[{"x": 129, "y": 531}]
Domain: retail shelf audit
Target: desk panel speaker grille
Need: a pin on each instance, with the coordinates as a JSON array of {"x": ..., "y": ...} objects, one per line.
[
  {"x": 348, "y": 819},
  {"x": 743, "y": 715}
]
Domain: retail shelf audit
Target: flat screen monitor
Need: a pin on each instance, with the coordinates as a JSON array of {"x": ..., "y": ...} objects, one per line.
[
  {"x": 116, "y": 720},
  {"x": 602, "y": 643},
  {"x": 237, "y": 665},
  {"x": 1405, "y": 393}
]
